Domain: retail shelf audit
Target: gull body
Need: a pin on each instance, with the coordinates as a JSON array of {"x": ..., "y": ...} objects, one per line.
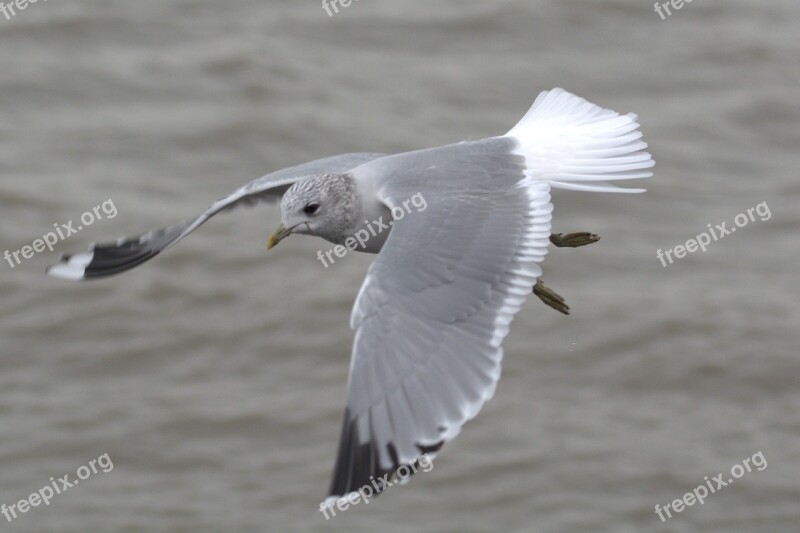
[{"x": 440, "y": 296}]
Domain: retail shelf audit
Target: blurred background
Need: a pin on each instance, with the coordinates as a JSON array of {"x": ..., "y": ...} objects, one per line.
[{"x": 214, "y": 376}]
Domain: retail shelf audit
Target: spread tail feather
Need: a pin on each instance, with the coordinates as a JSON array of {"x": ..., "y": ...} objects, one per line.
[{"x": 574, "y": 144}]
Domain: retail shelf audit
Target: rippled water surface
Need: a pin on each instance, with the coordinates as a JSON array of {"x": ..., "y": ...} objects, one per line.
[{"x": 214, "y": 376}]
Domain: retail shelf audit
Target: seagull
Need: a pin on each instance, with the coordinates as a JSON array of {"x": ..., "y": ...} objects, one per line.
[{"x": 437, "y": 302}]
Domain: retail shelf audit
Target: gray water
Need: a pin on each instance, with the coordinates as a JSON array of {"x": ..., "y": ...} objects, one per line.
[{"x": 214, "y": 376}]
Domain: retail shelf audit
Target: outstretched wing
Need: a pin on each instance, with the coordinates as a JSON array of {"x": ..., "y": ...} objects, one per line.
[
  {"x": 438, "y": 301},
  {"x": 107, "y": 259}
]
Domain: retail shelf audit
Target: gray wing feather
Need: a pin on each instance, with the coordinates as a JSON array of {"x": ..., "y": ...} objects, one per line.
[
  {"x": 437, "y": 302},
  {"x": 107, "y": 259}
]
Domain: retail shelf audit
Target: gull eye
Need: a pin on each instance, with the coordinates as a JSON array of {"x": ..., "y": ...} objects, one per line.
[{"x": 311, "y": 208}]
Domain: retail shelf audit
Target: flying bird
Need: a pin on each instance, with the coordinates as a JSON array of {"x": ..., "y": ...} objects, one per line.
[{"x": 438, "y": 300}]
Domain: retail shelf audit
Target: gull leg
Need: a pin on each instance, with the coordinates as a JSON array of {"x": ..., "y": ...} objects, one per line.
[
  {"x": 573, "y": 240},
  {"x": 549, "y": 297},
  {"x": 570, "y": 240}
]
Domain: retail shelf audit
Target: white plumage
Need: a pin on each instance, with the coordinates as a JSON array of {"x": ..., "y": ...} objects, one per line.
[{"x": 439, "y": 299}]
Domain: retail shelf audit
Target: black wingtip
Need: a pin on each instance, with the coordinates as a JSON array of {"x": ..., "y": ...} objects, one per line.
[
  {"x": 358, "y": 466},
  {"x": 107, "y": 259}
]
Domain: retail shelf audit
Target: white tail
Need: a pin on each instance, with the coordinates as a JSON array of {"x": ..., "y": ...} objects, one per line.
[{"x": 574, "y": 144}]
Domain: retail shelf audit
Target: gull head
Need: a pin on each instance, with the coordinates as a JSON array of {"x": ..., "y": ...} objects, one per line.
[{"x": 325, "y": 205}]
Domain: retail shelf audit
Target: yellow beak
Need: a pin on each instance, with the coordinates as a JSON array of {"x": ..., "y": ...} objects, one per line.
[{"x": 277, "y": 236}]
